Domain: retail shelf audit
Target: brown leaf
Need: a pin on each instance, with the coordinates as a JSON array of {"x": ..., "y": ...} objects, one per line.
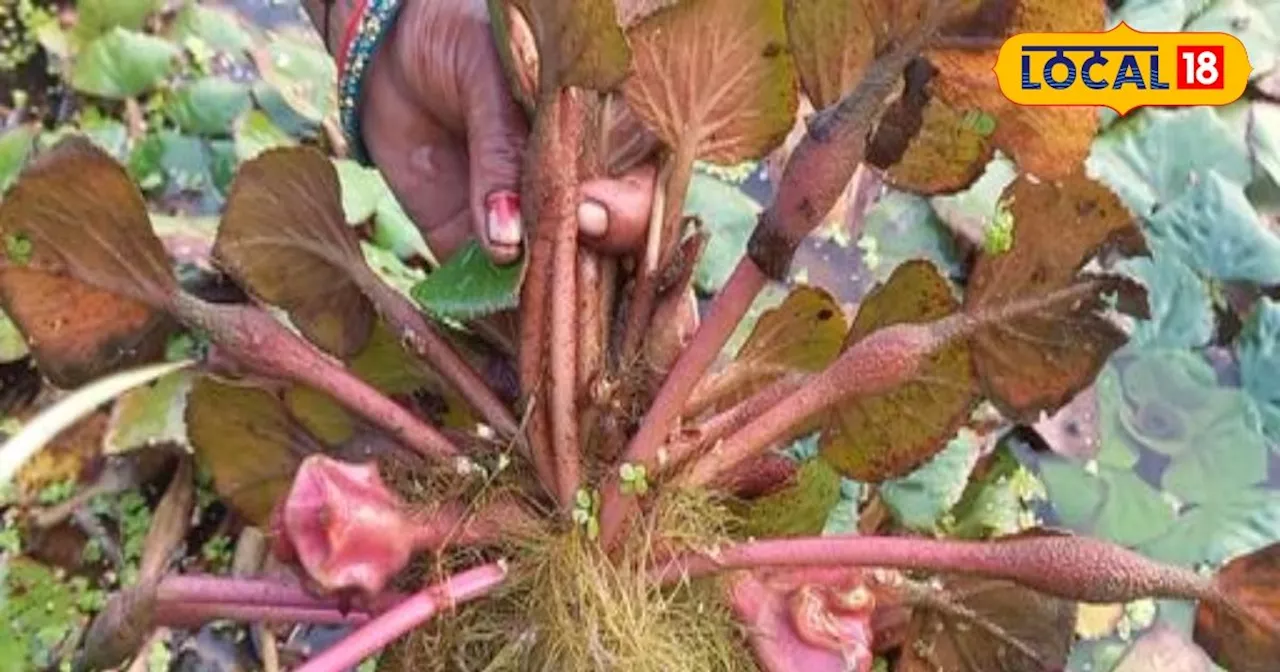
[
  {"x": 285, "y": 239},
  {"x": 873, "y": 438},
  {"x": 71, "y": 456},
  {"x": 579, "y": 42},
  {"x": 247, "y": 441},
  {"x": 981, "y": 625},
  {"x": 799, "y": 509},
  {"x": 84, "y": 275},
  {"x": 713, "y": 79},
  {"x": 1242, "y": 631},
  {"x": 803, "y": 334},
  {"x": 1038, "y": 360},
  {"x": 940, "y": 134}
]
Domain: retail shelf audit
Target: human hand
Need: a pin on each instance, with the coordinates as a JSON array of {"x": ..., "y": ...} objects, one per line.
[{"x": 440, "y": 123}]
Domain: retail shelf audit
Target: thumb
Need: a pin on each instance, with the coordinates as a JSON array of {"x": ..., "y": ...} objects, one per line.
[{"x": 496, "y": 132}]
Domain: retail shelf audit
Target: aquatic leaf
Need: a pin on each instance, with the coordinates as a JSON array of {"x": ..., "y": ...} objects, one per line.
[
  {"x": 579, "y": 42},
  {"x": 299, "y": 68},
  {"x": 1258, "y": 349},
  {"x": 919, "y": 499},
  {"x": 218, "y": 27},
  {"x": 95, "y": 17},
  {"x": 123, "y": 64},
  {"x": 797, "y": 510},
  {"x": 737, "y": 95},
  {"x": 1133, "y": 512},
  {"x": 802, "y": 335},
  {"x": 999, "y": 499},
  {"x": 209, "y": 106},
  {"x": 1218, "y": 529},
  {"x": 1181, "y": 312},
  {"x": 982, "y": 625},
  {"x": 85, "y": 273},
  {"x": 901, "y": 227},
  {"x": 283, "y": 237},
  {"x": 952, "y": 117},
  {"x": 1153, "y": 158},
  {"x": 1214, "y": 228},
  {"x": 1255, "y": 22},
  {"x": 1076, "y": 494},
  {"x": 245, "y": 439},
  {"x": 1242, "y": 631},
  {"x": 971, "y": 212},
  {"x": 873, "y": 438},
  {"x": 150, "y": 416},
  {"x": 1040, "y": 360},
  {"x": 365, "y": 197},
  {"x": 728, "y": 216},
  {"x": 470, "y": 285},
  {"x": 15, "y": 147},
  {"x": 255, "y": 133}
]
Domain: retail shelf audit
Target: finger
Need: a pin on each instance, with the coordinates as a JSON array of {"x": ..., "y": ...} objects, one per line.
[
  {"x": 431, "y": 184},
  {"x": 614, "y": 213},
  {"x": 496, "y": 131}
]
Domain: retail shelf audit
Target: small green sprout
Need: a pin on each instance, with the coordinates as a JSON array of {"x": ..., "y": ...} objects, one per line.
[
  {"x": 586, "y": 509},
  {"x": 634, "y": 479},
  {"x": 999, "y": 234},
  {"x": 980, "y": 122},
  {"x": 17, "y": 247}
]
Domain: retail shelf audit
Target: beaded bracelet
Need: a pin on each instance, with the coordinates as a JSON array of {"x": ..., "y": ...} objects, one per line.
[{"x": 368, "y": 26}]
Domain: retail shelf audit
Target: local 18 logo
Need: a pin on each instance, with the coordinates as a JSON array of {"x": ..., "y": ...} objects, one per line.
[{"x": 1123, "y": 69}]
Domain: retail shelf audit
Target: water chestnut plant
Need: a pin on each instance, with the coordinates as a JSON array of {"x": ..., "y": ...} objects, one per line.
[{"x": 627, "y": 506}]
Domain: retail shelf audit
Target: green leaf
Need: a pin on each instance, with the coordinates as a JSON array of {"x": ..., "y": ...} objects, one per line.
[
  {"x": 1255, "y": 22},
  {"x": 901, "y": 226},
  {"x": 470, "y": 285},
  {"x": 971, "y": 211},
  {"x": 997, "y": 503},
  {"x": 1216, "y": 230},
  {"x": 255, "y": 133},
  {"x": 209, "y": 106},
  {"x": 123, "y": 64},
  {"x": 1151, "y": 159},
  {"x": 302, "y": 71},
  {"x": 218, "y": 27},
  {"x": 921, "y": 498},
  {"x": 150, "y": 416},
  {"x": 95, "y": 17},
  {"x": 1075, "y": 493},
  {"x": 799, "y": 509},
  {"x": 1264, "y": 132},
  {"x": 1216, "y": 530},
  {"x": 15, "y": 146},
  {"x": 362, "y": 189},
  {"x": 1181, "y": 309},
  {"x": 1258, "y": 349},
  {"x": 729, "y": 216},
  {"x": 1133, "y": 511}
]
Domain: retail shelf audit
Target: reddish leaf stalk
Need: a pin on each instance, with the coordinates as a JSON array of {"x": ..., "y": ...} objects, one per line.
[
  {"x": 180, "y": 589},
  {"x": 258, "y": 341},
  {"x": 718, "y": 426},
  {"x": 877, "y": 363},
  {"x": 817, "y": 172},
  {"x": 645, "y": 292},
  {"x": 424, "y": 341},
  {"x": 405, "y": 616},
  {"x": 726, "y": 312},
  {"x": 591, "y": 318},
  {"x": 1069, "y": 567}
]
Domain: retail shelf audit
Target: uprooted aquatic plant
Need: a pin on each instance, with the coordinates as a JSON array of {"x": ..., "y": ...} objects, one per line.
[{"x": 604, "y": 538}]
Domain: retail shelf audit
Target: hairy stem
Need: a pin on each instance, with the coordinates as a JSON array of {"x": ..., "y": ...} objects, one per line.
[
  {"x": 882, "y": 361},
  {"x": 1069, "y": 567},
  {"x": 193, "y": 600},
  {"x": 405, "y": 616},
  {"x": 726, "y": 311},
  {"x": 817, "y": 172},
  {"x": 258, "y": 341},
  {"x": 424, "y": 341},
  {"x": 591, "y": 318},
  {"x": 713, "y": 429},
  {"x": 645, "y": 291}
]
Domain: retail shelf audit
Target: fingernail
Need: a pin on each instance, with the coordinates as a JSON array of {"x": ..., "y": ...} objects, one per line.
[
  {"x": 593, "y": 220},
  {"x": 504, "y": 223}
]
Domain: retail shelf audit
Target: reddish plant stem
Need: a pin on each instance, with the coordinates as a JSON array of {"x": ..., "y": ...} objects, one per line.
[
  {"x": 424, "y": 341},
  {"x": 726, "y": 311},
  {"x": 816, "y": 174},
  {"x": 258, "y": 341},
  {"x": 187, "y": 600},
  {"x": 1069, "y": 567},
  {"x": 196, "y": 614},
  {"x": 590, "y": 340},
  {"x": 877, "y": 363},
  {"x": 718, "y": 426},
  {"x": 405, "y": 616},
  {"x": 645, "y": 291}
]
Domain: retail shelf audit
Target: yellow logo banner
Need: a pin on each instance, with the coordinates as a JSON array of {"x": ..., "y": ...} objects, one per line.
[{"x": 1123, "y": 69}]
